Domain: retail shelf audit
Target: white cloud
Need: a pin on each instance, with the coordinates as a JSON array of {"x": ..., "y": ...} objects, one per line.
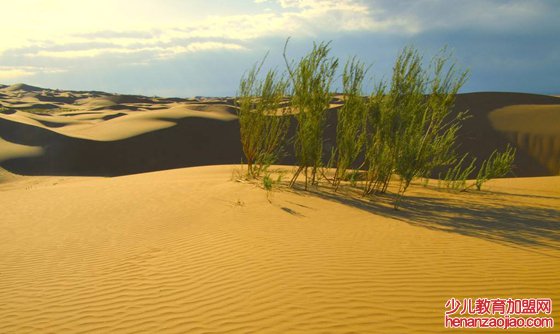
[
  {"x": 206, "y": 46},
  {"x": 49, "y": 27},
  {"x": 87, "y": 53},
  {"x": 157, "y": 51},
  {"x": 163, "y": 29},
  {"x": 16, "y": 72},
  {"x": 13, "y": 73}
]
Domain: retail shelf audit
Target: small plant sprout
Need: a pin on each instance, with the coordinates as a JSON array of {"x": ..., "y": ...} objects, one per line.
[{"x": 267, "y": 182}]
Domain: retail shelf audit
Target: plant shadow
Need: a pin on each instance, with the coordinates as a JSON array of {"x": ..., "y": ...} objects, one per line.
[{"x": 490, "y": 217}]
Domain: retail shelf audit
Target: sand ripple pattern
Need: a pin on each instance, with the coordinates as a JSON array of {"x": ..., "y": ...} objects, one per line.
[{"x": 188, "y": 251}]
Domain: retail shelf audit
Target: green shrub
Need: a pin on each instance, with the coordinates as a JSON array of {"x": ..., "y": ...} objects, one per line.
[
  {"x": 263, "y": 122},
  {"x": 351, "y": 125},
  {"x": 378, "y": 152},
  {"x": 311, "y": 79},
  {"x": 412, "y": 129},
  {"x": 405, "y": 128}
]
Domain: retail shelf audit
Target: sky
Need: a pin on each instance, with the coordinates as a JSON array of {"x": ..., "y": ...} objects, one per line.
[{"x": 187, "y": 48}]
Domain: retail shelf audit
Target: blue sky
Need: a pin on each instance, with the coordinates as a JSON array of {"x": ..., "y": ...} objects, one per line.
[{"x": 195, "y": 47}]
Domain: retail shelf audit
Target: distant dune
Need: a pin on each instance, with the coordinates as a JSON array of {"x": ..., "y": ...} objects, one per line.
[
  {"x": 193, "y": 251},
  {"x": 21, "y": 87},
  {"x": 502, "y": 118},
  {"x": 92, "y": 133},
  {"x": 53, "y": 132},
  {"x": 533, "y": 128}
]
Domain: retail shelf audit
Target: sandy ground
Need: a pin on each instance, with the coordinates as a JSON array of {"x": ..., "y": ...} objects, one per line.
[{"x": 193, "y": 251}]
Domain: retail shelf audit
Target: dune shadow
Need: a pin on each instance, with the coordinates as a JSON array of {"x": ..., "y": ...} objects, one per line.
[
  {"x": 193, "y": 141},
  {"x": 51, "y": 124},
  {"x": 109, "y": 117}
]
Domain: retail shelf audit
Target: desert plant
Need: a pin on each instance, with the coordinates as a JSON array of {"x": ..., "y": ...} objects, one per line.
[
  {"x": 456, "y": 176},
  {"x": 406, "y": 128},
  {"x": 499, "y": 164},
  {"x": 267, "y": 182},
  {"x": 378, "y": 152},
  {"x": 311, "y": 79},
  {"x": 411, "y": 127},
  {"x": 351, "y": 125},
  {"x": 428, "y": 128},
  {"x": 262, "y": 119}
]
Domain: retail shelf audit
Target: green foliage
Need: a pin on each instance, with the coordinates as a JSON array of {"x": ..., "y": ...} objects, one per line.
[
  {"x": 351, "y": 125},
  {"x": 262, "y": 119},
  {"x": 405, "y": 127},
  {"x": 456, "y": 176},
  {"x": 499, "y": 164},
  {"x": 379, "y": 151},
  {"x": 311, "y": 78},
  {"x": 411, "y": 127},
  {"x": 427, "y": 128},
  {"x": 353, "y": 177},
  {"x": 267, "y": 182}
]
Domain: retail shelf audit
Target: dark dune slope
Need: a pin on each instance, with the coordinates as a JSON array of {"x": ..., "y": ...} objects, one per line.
[
  {"x": 479, "y": 137},
  {"x": 192, "y": 142}
]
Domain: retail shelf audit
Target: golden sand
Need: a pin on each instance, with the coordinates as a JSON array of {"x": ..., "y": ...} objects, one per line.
[{"x": 193, "y": 251}]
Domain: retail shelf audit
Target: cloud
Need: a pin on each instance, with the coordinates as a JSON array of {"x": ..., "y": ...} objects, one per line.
[
  {"x": 477, "y": 15},
  {"x": 10, "y": 73},
  {"x": 295, "y": 18},
  {"x": 155, "y": 51},
  {"x": 97, "y": 38},
  {"x": 159, "y": 40},
  {"x": 13, "y": 73},
  {"x": 157, "y": 24}
]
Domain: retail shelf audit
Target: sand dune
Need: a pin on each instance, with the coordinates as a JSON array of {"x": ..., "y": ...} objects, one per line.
[
  {"x": 96, "y": 133},
  {"x": 480, "y": 134},
  {"x": 20, "y": 87},
  {"x": 534, "y": 129},
  {"x": 190, "y": 251},
  {"x": 104, "y": 134}
]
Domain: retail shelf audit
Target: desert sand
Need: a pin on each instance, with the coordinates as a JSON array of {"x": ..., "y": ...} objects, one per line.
[
  {"x": 86, "y": 245},
  {"x": 192, "y": 251}
]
